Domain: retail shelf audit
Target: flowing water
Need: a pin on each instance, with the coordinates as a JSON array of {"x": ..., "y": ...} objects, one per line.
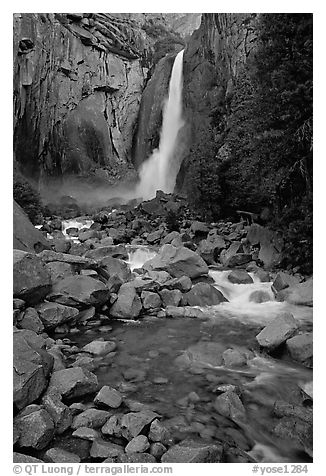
[
  {"x": 160, "y": 170},
  {"x": 150, "y": 367}
]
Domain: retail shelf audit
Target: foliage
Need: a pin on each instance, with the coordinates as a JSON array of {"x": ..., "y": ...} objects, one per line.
[
  {"x": 173, "y": 220},
  {"x": 28, "y": 198}
]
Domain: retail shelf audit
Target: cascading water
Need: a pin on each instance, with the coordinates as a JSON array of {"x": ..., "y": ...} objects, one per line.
[{"x": 160, "y": 170}]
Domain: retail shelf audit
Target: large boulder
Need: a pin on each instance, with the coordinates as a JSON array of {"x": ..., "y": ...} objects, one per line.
[
  {"x": 128, "y": 305},
  {"x": 300, "y": 348},
  {"x": 53, "y": 314},
  {"x": 25, "y": 236},
  {"x": 177, "y": 262},
  {"x": 31, "y": 279},
  {"x": 240, "y": 276},
  {"x": 35, "y": 428},
  {"x": 115, "y": 266},
  {"x": 300, "y": 294},
  {"x": 270, "y": 244},
  {"x": 210, "y": 250},
  {"x": 79, "y": 291},
  {"x": 204, "y": 294},
  {"x": 190, "y": 451},
  {"x": 278, "y": 331},
  {"x": 31, "y": 366},
  {"x": 73, "y": 382},
  {"x": 283, "y": 280},
  {"x": 115, "y": 251},
  {"x": 59, "y": 412}
]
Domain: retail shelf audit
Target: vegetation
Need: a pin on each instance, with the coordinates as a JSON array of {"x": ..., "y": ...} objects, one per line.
[{"x": 28, "y": 198}]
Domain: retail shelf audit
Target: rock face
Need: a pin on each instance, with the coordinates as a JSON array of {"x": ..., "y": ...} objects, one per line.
[
  {"x": 31, "y": 279},
  {"x": 177, "y": 262},
  {"x": 26, "y": 237}
]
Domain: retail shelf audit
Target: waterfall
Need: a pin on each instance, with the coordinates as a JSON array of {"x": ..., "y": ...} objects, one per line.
[{"x": 159, "y": 171}]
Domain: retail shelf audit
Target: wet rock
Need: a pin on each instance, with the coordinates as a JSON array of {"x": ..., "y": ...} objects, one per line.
[
  {"x": 186, "y": 311},
  {"x": 240, "y": 276},
  {"x": 137, "y": 375},
  {"x": 30, "y": 320},
  {"x": 31, "y": 367},
  {"x": 238, "y": 259},
  {"x": 263, "y": 275},
  {"x": 300, "y": 348},
  {"x": 113, "y": 426},
  {"x": 190, "y": 451},
  {"x": 259, "y": 296},
  {"x": 133, "y": 423},
  {"x": 283, "y": 280},
  {"x": 159, "y": 433},
  {"x": 53, "y": 314},
  {"x": 21, "y": 458},
  {"x": 31, "y": 279},
  {"x": 139, "y": 444},
  {"x": 230, "y": 406},
  {"x": 183, "y": 283},
  {"x": 60, "y": 413},
  {"x": 105, "y": 449},
  {"x": 115, "y": 266},
  {"x": 115, "y": 251},
  {"x": 203, "y": 294},
  {"x": 177, "y": 262},
  {"x": 285, "y": 409},
  {"x": 150, "y": 300},
  {"x": 294, "y": 429},
  {"x": 128, "y": 305},
  {"x": 100, "y": 347},
  {"x": 157, "y": 450},
  {"x": 300, "y": 294},
  {"x": 58, "y": 455},
  {"x": 202, "y": 353},
  {"x": 85, "y": 433},
  {"x": 59, "y": 270},
  {"x": 171, "y": 297},
  {"x": 108, "y": 397},
  {"x": 278, "y": 331},
  {"x": 90, "y": 418},
  {"x": 73, "y": 382},
  {"x": 36, "y": 429},
  {"x": 79, "y": 292},
  {"x": 234, "y": 358}
]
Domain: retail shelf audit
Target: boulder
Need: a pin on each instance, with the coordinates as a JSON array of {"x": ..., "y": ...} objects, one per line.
[
  {"x": 31, "y": 279},
  {"x": 53, "y": 314},
  {"x": 31, "y": 367},
  {"x": 300, "y": 348},
  {"x": 79, "y": 292},
  {"x": 59, "y": 270},
  {"x": 234, "y": 358},
  {"x": 139, "y": 444},
  {"x": 128, "y": 305},
  {"x": 155, "y": 236},
  {"x": 133, "y": 423},
  {"x": 226, "y": 254},
  {"x": 171, "y": 297},
  {"x": 108, "y": 397},
  {"x": 25, "y": 236},
  {"x": 183, "y": 283},
  {"x": 230, "y": 406},
  {"x": 185, "y": 311},
  {"x": 58, "y": 455},
  {"x": 300, "y": 294},
  {"x": 85, "y": 433},
  {"x": 170, "y": 237},
  {"x": 90, "y": 418},
  {"x": 238, "y": 259},
  {"x": 100, "y": 347},
  {"x": 49, "y": 256},
  {"x": 115, "y": 251},
  {"x": 113, "y": 426},
  {"x": 73, "y": 382},
  {"x": 283, "y": 280},
  {"x": 60, "y": 413},
  {"x": 29, "y": 319},
  {"x": 21, "y": 458},
  {"x": 240, "y": 276},
  {"x": 270, "y": 244},
  {"x": 259, "y": 296},
  {"x": 205, "y": 354},
  {"x": 199, "y": 228},
  {"x": 115, "y": 266},
  {"x": 150, "y": 300},
  {"x": 278, "y": 331},
  {"x": 35, "y": 429},
  {"x": 203, "y": 294},
  {"x": 159, "y": 433},
  {"x": 105, "y": 449},
  {"x": 177, "y": 262},
  {"x": 190, "y": 451}
]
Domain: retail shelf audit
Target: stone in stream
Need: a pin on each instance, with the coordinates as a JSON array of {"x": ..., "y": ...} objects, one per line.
[
  {"x": 85, "y": 433},
  {"x": 177, "y": 262},
  {"x": 86, "y": 315},
  {"x": 35, "y": 428},
  {"x": 53, "y": 314},
  {"x": 21, "y": 458},
  {"x": 115, "y": 266},
  {"x": 80, "y": 292},
  {"x": 229, "y": 405},
  {"x": 238, "y": 259},
  {"x": 300, "y": 348},
  {"x": 240, "y": 276},
  {"x": 113, "y": 426},
  {"x": 30, "y": 320},
  {"x": 259, "y": 296},
  {"x": 31, "y": 367},
  {"x": 300, "y": 294},
  {"x": 133, "y": 423},
  {"x": 73, "y": 382},
  {"x": 203, "y": 294},
  {"x": 102, "y": 449},
  {"x": 90, "y": 418},
  {"x": 185, "y": 311},
  {"x": 115, "y": 251},
  {"x": 108, "y": 397},
  {"x": 171, "y": 297},
  {"x": 234, "y": 358},
  {"x": 183, "y": 284},
  {"x": 150, "y": 300},
  {"x": 58, "y": 455},
  {"x": 157, "y": 450},
  {"x": 283, "y": 280},
  {"x": 31, "y": 279},
  {"x": 189, "y": 451},
  {"x": 159, "y": 433},
  {"x": 60, "y": 413},
  {"x": 128, "y": 305},
  {"x": 210, "y": 250},
  {"x": 278, "y": 331},
  {"x": 139, "y": 444},
  {"x": 100, "y": 347}
]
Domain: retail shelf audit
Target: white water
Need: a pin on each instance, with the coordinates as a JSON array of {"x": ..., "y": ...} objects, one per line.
[
  {"x": 138, "y": 256},
  {"x": 160, "y": 170}
]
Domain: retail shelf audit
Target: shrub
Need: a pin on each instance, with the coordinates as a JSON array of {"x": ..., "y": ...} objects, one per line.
[{"x": 28, "y": 198}]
